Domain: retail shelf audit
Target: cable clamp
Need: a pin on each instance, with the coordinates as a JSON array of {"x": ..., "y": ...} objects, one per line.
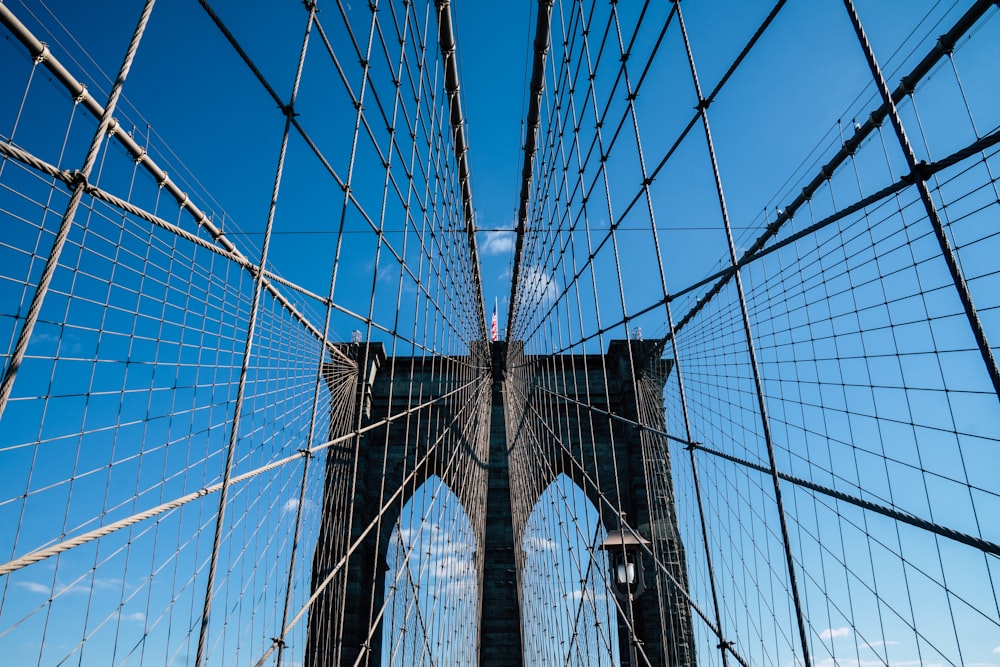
[
  {"x": 693, "y": 445},
  {"x": 920, "y": 172},
  {"x": 306, "y": 453},
  {"x": 725, "y": 645},
  {"x": 43, "y": 55},
  {"x": 703, "y": 104},
  {"x": 279, "y": 642},
  {"x": 77, "y": 179}
]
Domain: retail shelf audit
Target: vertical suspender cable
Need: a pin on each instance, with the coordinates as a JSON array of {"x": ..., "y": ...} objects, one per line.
[
  {"x": 79, "y": 187},
  {"x": 758, "y": 384},
  {"x": 920, "y": 177},
  {"x": 289, "y": 112}
]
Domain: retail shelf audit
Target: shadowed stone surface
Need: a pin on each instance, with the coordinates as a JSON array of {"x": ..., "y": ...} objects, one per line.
[{"x": 519, "y": 434}]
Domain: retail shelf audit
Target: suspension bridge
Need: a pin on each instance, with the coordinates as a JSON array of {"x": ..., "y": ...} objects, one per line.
[{"x": 317, "y": 349}]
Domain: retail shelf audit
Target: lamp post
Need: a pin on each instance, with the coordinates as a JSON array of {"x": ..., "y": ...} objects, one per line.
[{"x": 625, "y": 556}]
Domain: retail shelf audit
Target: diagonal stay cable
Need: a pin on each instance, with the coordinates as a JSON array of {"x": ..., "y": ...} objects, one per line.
[
  {"x": 39, "y": 50},
  {"x": 892, "y": 513},
  {"x": 944, "y": 45},
  {"x": 721, "y": 277},
  {"x": 446, "y": 37},
  {"x": 65, "y": 545},
  {"x": 90, "y": 160},
  {"x": 386, "y": 505},
  {"x": 606, "y": 501}
]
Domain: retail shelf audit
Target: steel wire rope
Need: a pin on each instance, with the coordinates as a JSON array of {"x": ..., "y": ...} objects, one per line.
[
  {"x": 947, "y": 41},
  {"x": 358, "y": 103},
  {"x": 79, "y": 91},
  {"x": 653, "y": 415},
  {"x": 616, "y": 509},
  {"x": 626, "y": 527},
  {"x": 748, "y": 259},
  {"x": 934, "y": 345},
  {"x": 537, "y": 492},
  {"x": 95, "y": 66},
  {"x": 600, "y": 117},
  {"x": 950, "y": 228},
  {"x": 34, "y": 459},
  {"x": 44, "y": 281},
  {"x": 358, "y": 540}
]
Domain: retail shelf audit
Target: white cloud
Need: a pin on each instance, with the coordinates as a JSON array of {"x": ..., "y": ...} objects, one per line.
[
  {"x": 835, "y": 633},
  {"x": 135, "y": 617},
  {"x": 34, "y": 587},
  {"x": 82, "y": 585},
  {"x": 498, "y": 242},
  {"x": 996, "y": 650},
  {"x": 536, "y": 286},
  {"x": 292, "y": 505},
  {"x": 854, "y": 662},
  {"x": 588, "y": 594},
  {"x": 452, "y": 566},
  {"x": 534, "y": 544}
]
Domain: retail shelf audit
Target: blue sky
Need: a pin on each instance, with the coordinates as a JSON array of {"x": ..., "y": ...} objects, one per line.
[{"x": 872, "y": 382}]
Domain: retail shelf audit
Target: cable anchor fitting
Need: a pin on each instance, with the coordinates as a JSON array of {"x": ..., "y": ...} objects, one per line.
[
  {"x": 920, "y": 172},
  {"x": 43, "y": 54},
  {"x": 78, "y": 180}
]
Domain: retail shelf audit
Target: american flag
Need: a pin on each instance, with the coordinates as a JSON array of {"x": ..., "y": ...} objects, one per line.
[{"x": 493, "y": 323}]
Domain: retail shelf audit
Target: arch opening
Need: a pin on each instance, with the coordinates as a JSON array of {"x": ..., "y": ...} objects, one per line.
[
  {"x": 431, "y": 601},
  {"x": 569, "y": 615}
]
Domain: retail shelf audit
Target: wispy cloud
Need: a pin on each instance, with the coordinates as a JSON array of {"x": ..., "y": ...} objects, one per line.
[
  {"x": 537, "y": 286},
  {"x": 497, "y": 242},
  {"x": 81, "y": 585},
  {"x": 877, "y": 644},
  {"x": 854, "y": 662},
  {"x": 587, "y": 594},
  {"x": 34, "y": 587},
  {"x": 534, "y": 544},
  {"x": 835, "y": 633},
  {"x": 292, "y": 504}
]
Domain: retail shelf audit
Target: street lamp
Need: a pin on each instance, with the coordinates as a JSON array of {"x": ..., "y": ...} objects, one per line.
[{"x": 625, "y": 553}]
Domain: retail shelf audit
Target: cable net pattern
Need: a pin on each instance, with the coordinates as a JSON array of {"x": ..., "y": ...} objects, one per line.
[
  {"x": 796, "y": 204},
  {"x": 187, "y": 383},
  {"x": 250, "y": 410}
]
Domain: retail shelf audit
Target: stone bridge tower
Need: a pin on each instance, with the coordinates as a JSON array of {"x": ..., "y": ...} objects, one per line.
[{"x": 595, "y": 437}]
